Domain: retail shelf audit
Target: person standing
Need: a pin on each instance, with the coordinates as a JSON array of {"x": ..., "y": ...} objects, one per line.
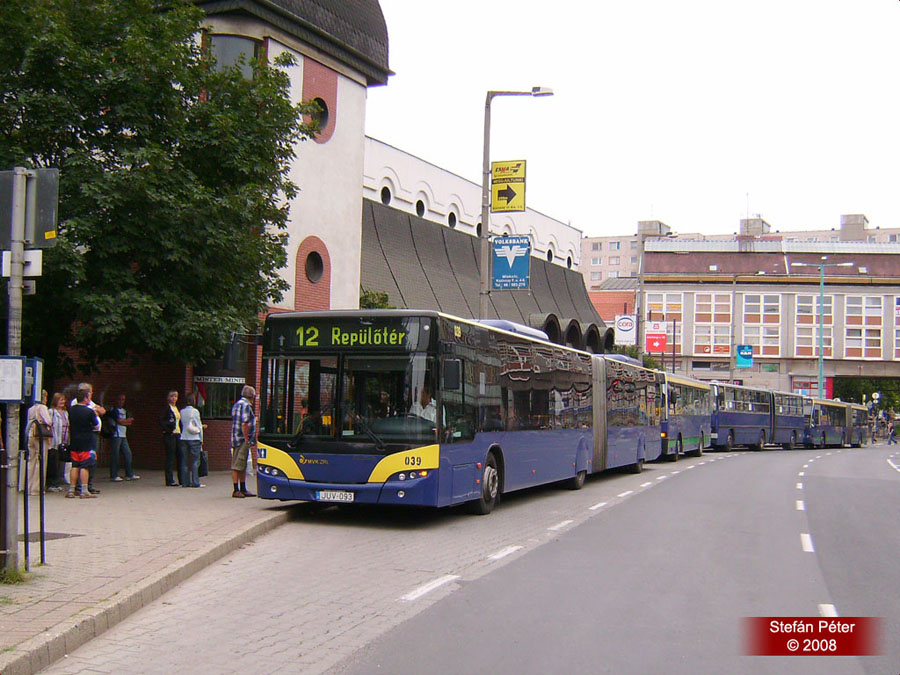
[
  {"x": 83, "y": 426},
  {"x": 891, "y": 431},
  {"x": 243, "y": 440},
  {"x": 118, "y": 443},
  {"x": 99, "y": 411},
  {"x": 171, "y": 426},
  {"x": 60, "y": 430},
  {"x": 40, "y": 437},
  {"x": 192, "y": 437}
]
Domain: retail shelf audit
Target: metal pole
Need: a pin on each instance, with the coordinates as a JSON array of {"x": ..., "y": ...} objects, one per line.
[
  {"x": 484, "y": 293},
  {"x": 10, "y": 550},
  {"x": 821, "y": 331}
]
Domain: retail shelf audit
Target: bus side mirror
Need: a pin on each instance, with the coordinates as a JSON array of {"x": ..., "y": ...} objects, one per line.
[{"x": 452, "y": 374}]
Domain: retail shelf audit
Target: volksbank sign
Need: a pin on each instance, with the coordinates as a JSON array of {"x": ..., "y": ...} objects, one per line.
[{"x": 512, "y": 258}]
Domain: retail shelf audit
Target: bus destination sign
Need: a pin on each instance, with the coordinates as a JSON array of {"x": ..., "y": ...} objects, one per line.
[{"x": 394, "y": 334}]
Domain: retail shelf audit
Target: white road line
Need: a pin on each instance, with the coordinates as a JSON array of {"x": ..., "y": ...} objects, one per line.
[
  {"x": 674, "y": 472},
  {"x": 561, "y": 525},
  {"x": 807, "y": 543},
  {"x": 598, "y": 506},
  {"x": 799, "y": 486},
  {"x": 827, "y": 454},
  {"x": 649, "y": 482},
  {"x": 692, "y": 466},
  {"x": 828, "y": 610},
  {"x": 800, "y": 505},
  {"x": 895, "y": 467},
  {"x": 625, "y": 494},
  {"x": 806, "y": 466},
  {"x": 801, "y": 474},
  {"x": 430, "y": 586},
  {"x": 661, "y": 477},
  {"x": 818, "y": 457},
  {"x": 502, "y": 553}
]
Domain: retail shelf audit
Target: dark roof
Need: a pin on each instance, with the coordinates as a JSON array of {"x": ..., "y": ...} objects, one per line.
[
  {"x": 351, "y": 31},
  {"x": 424, "y": 265},
  {"x": 619, "y": 284}
]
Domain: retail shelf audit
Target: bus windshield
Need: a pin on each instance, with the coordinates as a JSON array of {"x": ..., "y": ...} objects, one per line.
[{"x": 374, "y": 399}]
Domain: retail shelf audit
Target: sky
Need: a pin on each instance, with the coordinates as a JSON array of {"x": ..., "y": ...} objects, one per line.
[{"x": 694, "y": 112}]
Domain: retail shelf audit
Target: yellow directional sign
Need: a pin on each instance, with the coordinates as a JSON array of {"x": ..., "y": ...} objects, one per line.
[{"x": 508, "y": 186}]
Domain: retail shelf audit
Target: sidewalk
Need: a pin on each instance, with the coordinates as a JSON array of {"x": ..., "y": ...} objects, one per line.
[{"x": 110, "y": 556}]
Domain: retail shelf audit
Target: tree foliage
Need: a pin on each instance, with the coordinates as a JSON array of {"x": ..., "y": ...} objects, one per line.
[
  {"x": 372, "y": 299},
  {"x": 174, "y": 182}
]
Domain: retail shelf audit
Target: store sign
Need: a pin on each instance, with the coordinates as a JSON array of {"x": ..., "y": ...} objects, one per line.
[
  {"x": 626, "y": 329},
  {"x": 744, "y": 356}
]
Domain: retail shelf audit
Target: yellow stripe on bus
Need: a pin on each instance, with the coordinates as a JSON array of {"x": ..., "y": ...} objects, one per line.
[
  {"x": 280, "y": 460},
  {"x": 426, "y": 457}
]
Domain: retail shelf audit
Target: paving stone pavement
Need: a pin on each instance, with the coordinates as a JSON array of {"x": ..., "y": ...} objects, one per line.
[{"x": 108, "y": 557}]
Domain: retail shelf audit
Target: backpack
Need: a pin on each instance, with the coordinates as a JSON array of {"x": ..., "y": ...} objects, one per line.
[{"x": 109, "y": 424}]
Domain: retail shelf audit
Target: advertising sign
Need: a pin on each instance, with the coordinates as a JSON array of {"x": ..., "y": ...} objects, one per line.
[
  {"x": 655, "y": 336},
  {"x": 512, "y": 257},
  {"x": 744, "y": 356},
  {"x": 626, "y": 329},
  {"x": 508, "y": 186}
]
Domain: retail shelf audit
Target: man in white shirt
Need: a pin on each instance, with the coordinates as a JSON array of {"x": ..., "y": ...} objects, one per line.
[{"x": 425, "y": 407}]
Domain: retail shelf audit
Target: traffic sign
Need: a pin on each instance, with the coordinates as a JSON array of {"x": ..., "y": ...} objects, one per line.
[{"x": 508, "y": 186}]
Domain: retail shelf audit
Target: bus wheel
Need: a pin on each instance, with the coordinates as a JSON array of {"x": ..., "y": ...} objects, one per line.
[
  {"x": 791, "y": 444},
  {"x": 577, "y": 481},
  {"x": 637, "y": 467},
  {"x": 729, "y": 442},
  {"x": 673, "y": 456},
  {"x": 490, "y": 488},
  {"x": 699, "y": 451},
  {"x": 761, "y": 443}
]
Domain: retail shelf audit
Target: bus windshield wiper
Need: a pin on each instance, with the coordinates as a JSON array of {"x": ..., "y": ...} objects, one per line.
[{"x": 379, "y": 444}]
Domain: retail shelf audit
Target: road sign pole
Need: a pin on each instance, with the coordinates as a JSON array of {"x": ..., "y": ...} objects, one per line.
[
  {"x": 9, "y": 555},
  {"x": 484, "y": 291}
]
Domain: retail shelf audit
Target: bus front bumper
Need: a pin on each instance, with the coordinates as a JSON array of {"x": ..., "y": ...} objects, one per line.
[{"x": 420, "y": 491}]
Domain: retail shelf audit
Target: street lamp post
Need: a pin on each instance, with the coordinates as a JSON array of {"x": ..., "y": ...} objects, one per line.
[
  {"x": 484, "y": 292},
  {"x": 822, "y": 266}
]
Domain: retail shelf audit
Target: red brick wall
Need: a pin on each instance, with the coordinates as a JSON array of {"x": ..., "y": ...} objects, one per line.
[
  {"x": 309, "y": 295},
  {"x": 321, "y": 82},
  {"x": 610, "y": 303}
]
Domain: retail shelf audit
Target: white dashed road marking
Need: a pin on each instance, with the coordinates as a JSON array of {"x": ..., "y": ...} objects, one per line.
[
  {"x": 649, "y": 482},
  {"x": 561, "y": 525},
  {"x": 598, "y": 506},
  {"x": 800, "y": 505},
  {"x": 799, "y": 486},
  {"x": 807, "y": 543},
  {"x": 828, "y": 610},
  {"x": 502, "y": 553},
  {"x": 430, "y": 586},
  {"x": 625, "y": 494}
]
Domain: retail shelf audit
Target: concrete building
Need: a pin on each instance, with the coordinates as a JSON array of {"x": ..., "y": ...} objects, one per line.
[
  {"x": 714, "y": 295},
  {"x": 613, "y": 257}
]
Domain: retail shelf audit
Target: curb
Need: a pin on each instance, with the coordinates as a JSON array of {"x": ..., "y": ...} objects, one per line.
[{"x": 49, "y": 647}]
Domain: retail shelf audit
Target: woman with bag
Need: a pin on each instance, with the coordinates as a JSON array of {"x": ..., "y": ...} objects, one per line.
[
  {"x": 60, "y": 429},
  {"x": 192, "y": 437}
]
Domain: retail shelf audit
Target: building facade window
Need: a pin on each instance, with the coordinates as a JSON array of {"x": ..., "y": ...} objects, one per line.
[
  {"x": 614, "y": 245},
  {"x": 596, "y": 276},
  {"x": 612, "y": 274},
  {"x": 808, "y": 341},
  {"x": 634, "y": 244},
  {"x": 667, "y": 308},
  {"x": 596, "y": 261},
  {"x": 762, "y": 324},
  {"x": 712, "y": 323},
  {"x": 597, "y": 246},
  {"x": 228, "y": 50},
  {"x": 613, "y": 260},
  {"x": 863, "y": 321}
]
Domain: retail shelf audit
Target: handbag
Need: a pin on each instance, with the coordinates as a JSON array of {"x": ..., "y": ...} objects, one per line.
[{"x": 203, "y": 469}]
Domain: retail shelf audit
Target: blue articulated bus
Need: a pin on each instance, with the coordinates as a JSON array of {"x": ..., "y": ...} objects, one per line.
[
  {"x": 860, "y": 430},
  {"x": 789, "y": 419},
  {"x": 686, "y": 425},
  {"x": 829, "y": 424},
  {"x": 421, "y": 408},
  {"x": 741, "y": 416}
]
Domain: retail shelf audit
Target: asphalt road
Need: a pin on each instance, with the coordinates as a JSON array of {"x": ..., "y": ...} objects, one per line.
[{"x": 631, "y": 574}]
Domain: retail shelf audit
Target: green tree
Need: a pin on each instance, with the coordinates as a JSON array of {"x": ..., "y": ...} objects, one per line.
[
  {"x": 174, "y": 183},
  {"x": 372, "y": 299}
]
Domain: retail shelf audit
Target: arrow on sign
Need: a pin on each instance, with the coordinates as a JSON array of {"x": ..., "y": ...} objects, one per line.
[{"x": 506, "y": 193}]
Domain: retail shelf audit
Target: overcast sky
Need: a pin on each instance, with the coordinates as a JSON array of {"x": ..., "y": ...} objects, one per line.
[{"x": 664, "y": 110}]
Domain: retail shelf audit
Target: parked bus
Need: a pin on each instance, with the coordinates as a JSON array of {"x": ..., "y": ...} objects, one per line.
[
  {"x": 828, "y": 424},
  {"x": 789, "y": 418},
  {"x": 859, "y": 425},
  {"x": 686, "y": 424},
  {"x": 741, "y": 416},
  {"x": 421, "y": 408}
]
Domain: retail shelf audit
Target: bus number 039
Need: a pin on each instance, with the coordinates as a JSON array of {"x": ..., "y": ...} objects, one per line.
[{"x": 413, "y": 461}]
